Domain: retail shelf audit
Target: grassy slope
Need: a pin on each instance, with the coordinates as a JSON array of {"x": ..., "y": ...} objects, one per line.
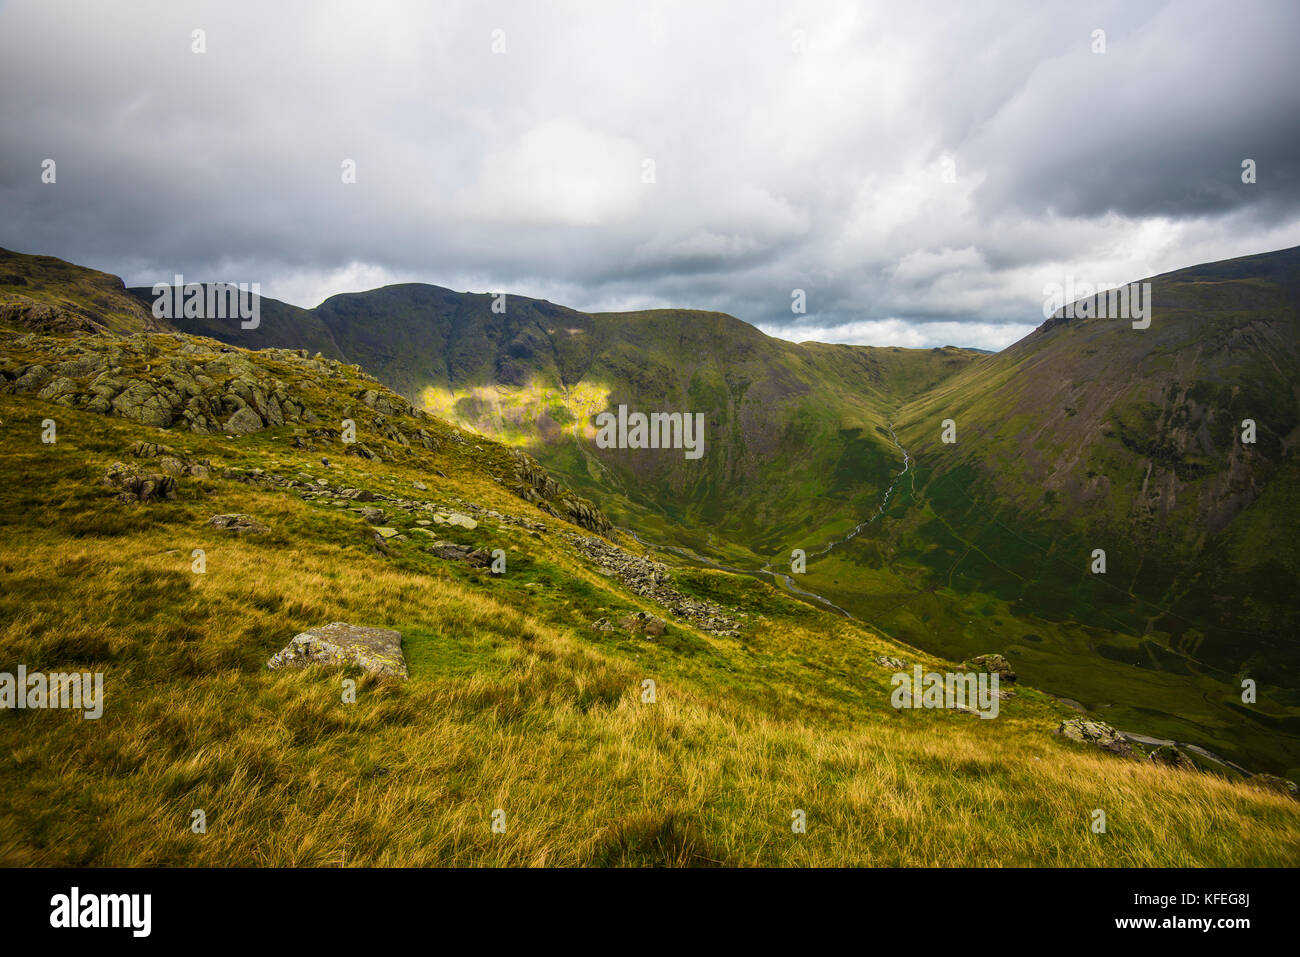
[{"x": 512, "y": 703}]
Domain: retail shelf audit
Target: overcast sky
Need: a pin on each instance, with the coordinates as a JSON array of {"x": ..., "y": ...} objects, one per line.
[{"x": 794, "y": 146}]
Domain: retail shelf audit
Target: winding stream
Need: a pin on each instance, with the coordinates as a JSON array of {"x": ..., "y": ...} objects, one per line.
[{"x": 784, "y": 580}]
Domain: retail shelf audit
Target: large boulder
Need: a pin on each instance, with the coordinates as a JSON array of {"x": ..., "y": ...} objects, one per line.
[
  {"x": 137, "y": 486},
  {"x": 376, "y": 650},
  {"x": 244, "y": 421},
  {"x": 995, "y": 665},
  {"x": 1170, "y": 757},
  {"x": 1096, "y": 733}
]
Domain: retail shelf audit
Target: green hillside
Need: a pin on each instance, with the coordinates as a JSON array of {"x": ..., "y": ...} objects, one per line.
[{"x": 762, "y": 707}]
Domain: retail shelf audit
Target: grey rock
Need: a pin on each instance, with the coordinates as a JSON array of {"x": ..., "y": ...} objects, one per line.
[
  {"x": 375, "y": 650},
  {"x": 243, "y": 422},
  {"x": 239, "y": 523},
  {"x": 1096, "y": 733},
  {"x": 137, "y": 486}
]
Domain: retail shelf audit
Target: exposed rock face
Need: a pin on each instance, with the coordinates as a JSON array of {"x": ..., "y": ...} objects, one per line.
[
  {"x": 135, "y": 485},
  {"x": 239, "y": 524},
  {"x": 204, "y": 388},
  {"x": 995, "y": 665},
  {"x": 650, "y": 579},
  {"x": 888, "y": 661},
  {"x": 376, "y": 650},
  {"x": 534, "y": 484},
  {"x": 43, "y": 317},
  {"x": 1096, "y": 733}
]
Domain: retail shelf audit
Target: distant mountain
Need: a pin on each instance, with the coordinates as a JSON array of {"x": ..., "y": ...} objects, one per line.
[
  {"x": 794, "y": 433},
  {"x": 1090, "y": 434}
]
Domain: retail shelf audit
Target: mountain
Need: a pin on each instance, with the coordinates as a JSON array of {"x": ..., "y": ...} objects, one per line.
[
  {"x": 793, "y": 432},
  {"x": 174, "y": 510},
  {"x": 1088, "y": 434}
]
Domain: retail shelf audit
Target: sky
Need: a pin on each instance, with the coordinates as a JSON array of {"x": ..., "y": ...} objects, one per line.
[{"x": 912, "y": 174}]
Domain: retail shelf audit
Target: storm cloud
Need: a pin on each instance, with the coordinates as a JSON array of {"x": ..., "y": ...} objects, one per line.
[{"x": 919, "y": 171}]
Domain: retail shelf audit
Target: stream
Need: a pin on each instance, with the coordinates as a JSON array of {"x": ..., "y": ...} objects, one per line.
[{"x": 786, "y": 582}]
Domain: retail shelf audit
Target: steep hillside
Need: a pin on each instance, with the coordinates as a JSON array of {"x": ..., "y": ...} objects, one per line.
[
  {"x": 177, "y": 557},
  {"x": 1090, "y": 434},
  {"x": 44, "y": 294}
]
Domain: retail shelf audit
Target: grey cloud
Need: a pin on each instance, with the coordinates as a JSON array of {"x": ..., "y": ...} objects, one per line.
[{"x": 774, "y": 169}]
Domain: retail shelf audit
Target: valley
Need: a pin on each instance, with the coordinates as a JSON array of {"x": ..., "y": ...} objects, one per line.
[{"x": 1086, "y": 435}]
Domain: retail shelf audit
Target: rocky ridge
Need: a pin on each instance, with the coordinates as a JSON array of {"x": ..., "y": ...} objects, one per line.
[{"x": 651, "y": 579}]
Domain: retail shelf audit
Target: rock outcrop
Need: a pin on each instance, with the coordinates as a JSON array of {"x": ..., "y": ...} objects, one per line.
[
  {"x": 995, "y": 665},
  {"x": 135, "y": 485},
  {"x": 1096, "y": 733},
  {"x": 650, "y": 579},
  {"x": 1169, "y": 756},
  {"x": 1271, "y": 782}
]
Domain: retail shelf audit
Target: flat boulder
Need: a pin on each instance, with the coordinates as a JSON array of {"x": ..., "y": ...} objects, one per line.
[
  {"x": 464, "y": 521},
  {"x": 240, "y": 524},
  {"x": 453, "y": 552},
  {"x": 374, "y": 650}
]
